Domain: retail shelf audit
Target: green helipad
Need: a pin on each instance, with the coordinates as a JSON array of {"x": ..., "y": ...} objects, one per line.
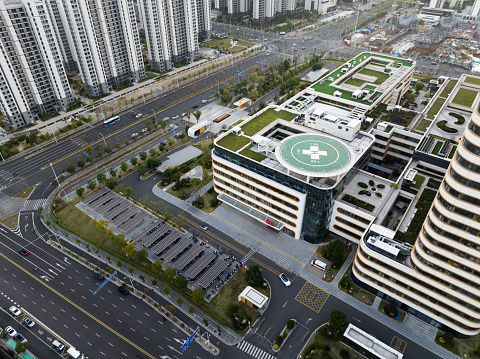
[{"x": 315, "y": 155}]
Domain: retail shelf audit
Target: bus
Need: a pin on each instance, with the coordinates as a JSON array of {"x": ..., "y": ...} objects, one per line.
[{"x": 111, "y": 121}]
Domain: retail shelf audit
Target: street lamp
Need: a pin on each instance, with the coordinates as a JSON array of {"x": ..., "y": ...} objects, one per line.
[{"x": 105, "y": 143}]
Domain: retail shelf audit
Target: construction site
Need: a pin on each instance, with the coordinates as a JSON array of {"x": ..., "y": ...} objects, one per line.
[{"x": 436, "y": 35}]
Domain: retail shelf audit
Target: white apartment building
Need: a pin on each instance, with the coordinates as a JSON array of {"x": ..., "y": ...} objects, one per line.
[
  {"x": 32, "y": 78},
  {"x": 104, "y": 41},
  {"x": 264, "y": 9},
  {"x": 321, "y": 6},
  {"x": 438, "y": 278},
  {"x": 172, "y": 30}
]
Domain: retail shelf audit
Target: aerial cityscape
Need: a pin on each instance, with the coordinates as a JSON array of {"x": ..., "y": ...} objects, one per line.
[{"x": 268, "y": 179}]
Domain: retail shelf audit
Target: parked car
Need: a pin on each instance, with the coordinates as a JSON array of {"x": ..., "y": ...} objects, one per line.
[
  {"x": 134, "y": 134},
  {"x": 138, "y": 115},
  {"x": 28, "y": 322},
  {"x": 20, "y": 338},
  {"x": 15, "y": 311},
  {"x": 11, "y": 332},
  {"x": 318, "y": 264},
  {"x": 98, "y": 276},
  {"x": 123, "y": 290},
  {"x": 57, "y": 345},
  {"x": 144, "y": 130},
  {"x": 175, "y": 117},
  {"x": 284, "y": 280}
]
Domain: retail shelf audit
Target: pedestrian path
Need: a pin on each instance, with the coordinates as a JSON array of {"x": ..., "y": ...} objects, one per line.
[
  {"x": 248, "y": 256},
  {"x": 254, "y": 351},
  {"x": 201, "y": 191},
  {"x": 33, "y": 204}
]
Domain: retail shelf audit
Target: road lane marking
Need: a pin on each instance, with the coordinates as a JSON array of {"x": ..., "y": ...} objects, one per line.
[{"x": 128, "y": 341}]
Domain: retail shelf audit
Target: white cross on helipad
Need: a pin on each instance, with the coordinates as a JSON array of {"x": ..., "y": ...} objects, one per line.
[{"x": 314, "y": 153}]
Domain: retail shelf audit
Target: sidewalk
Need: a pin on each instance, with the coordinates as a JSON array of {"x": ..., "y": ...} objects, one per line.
[{"x": 200, "y": 192}]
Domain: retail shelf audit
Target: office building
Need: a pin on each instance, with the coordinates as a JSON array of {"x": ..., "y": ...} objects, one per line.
[
  {"x": 32, "y": 78},
  {"x": 438, "y": 278},
  {"x": 173, "y": 30},
  {"x": 105, "y": 43},
  {"x": 322, "y": 7}
]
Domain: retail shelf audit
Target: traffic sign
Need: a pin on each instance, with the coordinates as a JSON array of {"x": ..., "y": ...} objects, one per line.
[
  {"x": 188, "y": 342},
  {"x": 240, "y": 73}
]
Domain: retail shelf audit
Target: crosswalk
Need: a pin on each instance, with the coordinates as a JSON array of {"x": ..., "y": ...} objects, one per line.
[
  {"x": 248, "y": 256},
  {"x": 33, "y": 204},
  {"x": 79, "y": 142},
  {"x": 254, "y": 351},
  {"x": 5, "y": 177}
]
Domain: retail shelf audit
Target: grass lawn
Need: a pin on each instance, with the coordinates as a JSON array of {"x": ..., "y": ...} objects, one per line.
[
  {"x": 381, "y": 77},
  {"x": 24, "y": 194},
  {"x": 247, "y": 152},
  {"x": 233, "y": 142},
  {"x": 228, "y": 296},
  {"x": 207, "y": 200},
  {"x": 185, "y": 192},
  {"x": 437, "y": 147},
  {"x": 435, "y": 108},
  {"x": 472, "y": 80},
  {"x": 8, "y": 221},
  {"x": 418, "y": 181},
  {"x": 224, "y": 44},
  {"x": 424, "y": 125},
  {"x": 451, "y": 84},
  {"x": 463, "y": 348},
  {"x": 354, "y": 82},
  {"x": 259, "y": 122},
  {"x": 402, "y": 313},
  {"x": 465, "y": 97},
  {"x": 452, "y": 152},
  {"x": 318, "y": 341},
  {"x": 346, "y": 284}
]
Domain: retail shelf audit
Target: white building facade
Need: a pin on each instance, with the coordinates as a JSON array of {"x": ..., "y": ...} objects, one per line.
[
  {"x": 439, "y": 278},
  {"x": 320, "y": 6},
  {"x": 32, "y": 78},
  {"x": 173, "y": 29},
  {"x": 105, "y": 43}
]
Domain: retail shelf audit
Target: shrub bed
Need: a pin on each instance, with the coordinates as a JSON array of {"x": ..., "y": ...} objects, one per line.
[{"x": 443, "y": 126}]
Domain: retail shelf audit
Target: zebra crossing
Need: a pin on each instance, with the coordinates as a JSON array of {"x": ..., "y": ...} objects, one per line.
[
  {"x": 17, "y": 231},
  {"x": 5, "y": 177},
  {"x": 247, "y": 256},
  {"x": 33, "y": 204},
  {"x": 79, "y": 142},
  {"x": 254, "y": 351}
]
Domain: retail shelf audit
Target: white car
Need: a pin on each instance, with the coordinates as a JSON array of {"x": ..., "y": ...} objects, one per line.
[
  {"x": 11, "y": 332},
  {"x": 174, "y": 117},
  {"x": 144, "y": 130},
  {"x": 284, "y": 280},
  {"x": 134, "y": 134},
  {"x": 15, "y": 311},
  {"x": 28, "y": 322},
  {"x": 204, "y": 228},
  {"x": 204, "y": 101},
  {"x": 318, "y": 264},
  {"x": 138, "y": 115}
]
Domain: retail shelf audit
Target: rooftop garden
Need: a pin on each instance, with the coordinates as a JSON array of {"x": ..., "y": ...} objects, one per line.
[
  {"x": 257, "y": 123},
  {"x": 465, "y": 97},
  {"x": 247, "y": 152},
  {"x": 381, "y": 76},
  {"x": 473, "y": 80},
  {"x": 437, "y": 105},
  {"x": 233, "y": 142},
  {"x": 446, "y": 91}
]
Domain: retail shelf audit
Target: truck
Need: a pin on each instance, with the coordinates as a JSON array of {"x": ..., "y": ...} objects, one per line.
[{"x": 75, "y": 354}]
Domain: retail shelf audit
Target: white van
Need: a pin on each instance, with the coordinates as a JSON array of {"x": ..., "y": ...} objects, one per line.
[{"x": 74, "y": 353}]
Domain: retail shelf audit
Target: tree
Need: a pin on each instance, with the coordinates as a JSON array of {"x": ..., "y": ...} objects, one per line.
[
  {"x": 80, "y": 163},
  {"x": 91, "y": 185},
  {"x": 171, "y": 309},
  {"x": 70, "y": 168},
  {"x": 338, "y": 320},
  {"x": 334, "y": 252},
  {"x": 101, "y": 177},
  {"x": 152, "y": 163},
  {"x": 197, "y": 114},
  {"x": 317, "y": 66},
  {"x": 179, "y": 301},
  {"x": 391, "y": 309},
  {"x": 141, "y": 170},
  {"x": 152, "y": 152},
  {"x": 119, "y": 263},
  {"x": 111, "y": 183},
  {"x": 113, "y": 172},
  {"x": 128, "y": 192},
  {"x": 198, "y": 295},
  {"x": 79, "y": 191},
  {"x": 254, "y": 275},
  {"x": 143, "y": 155},
  {"x": 124, "y": 166},
  {"x": 157, "y": 266},
  {"x": 21, "y": 347},
  {"x": 419, "y": 86},
  {"x": 166, "y": 290},
  {"x": 54, "y": 183},
  {"x": 181, "y": 282},
  {"x": 130, "y": 249},
  {"x": 170, "y": 273},
  {"x": 89, "y": 150},
  {"x": 107, "y": 149},
  {"x": 133, "y": 161},
  {"x": 191, "y": 309}
]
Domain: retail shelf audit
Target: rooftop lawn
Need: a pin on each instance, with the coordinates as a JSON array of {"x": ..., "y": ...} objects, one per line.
[
  {"x": 233, "y": 142},
  {"x": 435, "y": 108},
  {"x": 472, "y": 80},
  {"x": 451, "y": 84},
  {"x": 247, "y": 152},
  {"x": 354, "y": 82},
  {"x": 257, "y": 123},
  {"x": 381, "y": 76},
  {"x": 465, "y": 97}
]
